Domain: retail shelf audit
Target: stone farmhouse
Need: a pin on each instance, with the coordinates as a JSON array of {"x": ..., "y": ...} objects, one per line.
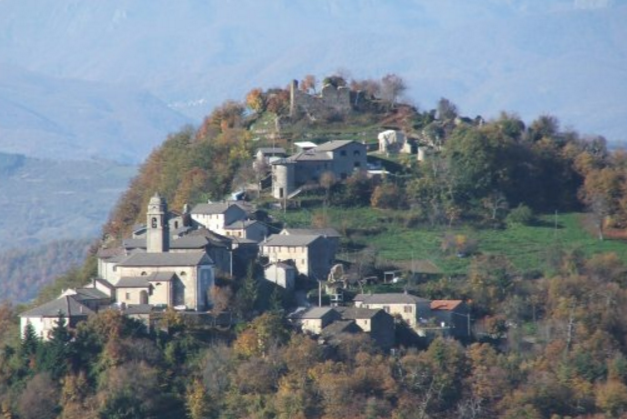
[
  {"x": 426, "y": 317},
  {"x": 311, "y": 254},
  {"x": 405, "y": 306},
  {"x": 341, "y": 158},
  {"x": 332, "y": 323}
]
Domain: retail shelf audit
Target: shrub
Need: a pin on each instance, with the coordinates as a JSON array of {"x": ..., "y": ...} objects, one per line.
[{"x": 521, "y": 215}]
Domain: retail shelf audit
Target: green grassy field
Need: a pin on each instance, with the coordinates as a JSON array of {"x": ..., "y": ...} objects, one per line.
[{"x": 529, "y": 248}]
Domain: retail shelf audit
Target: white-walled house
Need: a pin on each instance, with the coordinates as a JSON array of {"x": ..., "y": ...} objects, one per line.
[
  {"x": 216, "y": 216},
  {"x": 45, "y": 317}
]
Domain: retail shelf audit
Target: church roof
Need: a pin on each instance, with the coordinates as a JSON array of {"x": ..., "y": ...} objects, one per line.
[
  {"x": 132, "y": 282},
  {"x": 66, "y": 305},
  {"x": 167, "y": 259},
  {"x": 189, "y": 242},
  {"x": 134, "y": 243}
]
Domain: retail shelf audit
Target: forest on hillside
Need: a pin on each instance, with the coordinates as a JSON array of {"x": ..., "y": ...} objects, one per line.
[{"x": 549, "y": 341}]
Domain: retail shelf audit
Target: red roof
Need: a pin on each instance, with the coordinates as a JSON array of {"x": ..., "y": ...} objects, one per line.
[{"x": 445, "y": 304}]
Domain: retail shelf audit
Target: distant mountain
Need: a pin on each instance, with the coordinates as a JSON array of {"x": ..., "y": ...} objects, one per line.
[
  {"x": 44, "y": 200},
  {"x": 53, "y": 118},
  {"x": 565, "y": 57}
]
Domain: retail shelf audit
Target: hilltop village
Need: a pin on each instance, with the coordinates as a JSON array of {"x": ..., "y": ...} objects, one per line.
[{"x": 172, "y": 261}]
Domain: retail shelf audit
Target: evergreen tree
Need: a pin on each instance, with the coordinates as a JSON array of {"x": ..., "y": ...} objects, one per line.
[{"x": 54, "y": 355}]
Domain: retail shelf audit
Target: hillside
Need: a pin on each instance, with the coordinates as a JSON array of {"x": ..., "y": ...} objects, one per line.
[{"x": 492, "y": 204}]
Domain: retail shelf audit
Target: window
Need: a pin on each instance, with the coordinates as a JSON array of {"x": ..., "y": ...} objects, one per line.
[
  {"x": 356, "y": 153},
  {"x": 128, "y": 296},
  {"x": 153, "y": 222},
  {"x": 408, "y": 309},
  {"x": 343, "y": 153},
  {"x": 144, "y": 273},
  {"x": 386, "y": 309},
  {"x": 357, "y": 164}
]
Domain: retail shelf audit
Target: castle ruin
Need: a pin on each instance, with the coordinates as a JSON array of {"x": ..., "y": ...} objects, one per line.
[{"x": 331, "y": 99}]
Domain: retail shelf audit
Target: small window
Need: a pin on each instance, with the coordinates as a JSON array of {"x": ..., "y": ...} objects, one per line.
[
  {"x": 356, "y": 153},
  {"x": 128, "y": 296},
  {"x": 408, "y": 309},
  {"x": 183, "y": 273},
  {"x": 144, "y": 273},
  {"x": 153, "y": 222},
  {"x": 357, "y": 164},
  {"x": 343, "y": 153}
]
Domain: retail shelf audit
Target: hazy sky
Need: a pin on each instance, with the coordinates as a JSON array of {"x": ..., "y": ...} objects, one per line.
[{"x": 567, "y": 58}]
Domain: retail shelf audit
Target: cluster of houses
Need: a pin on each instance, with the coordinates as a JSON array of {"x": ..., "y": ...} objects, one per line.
[
  {"x": 173, "y": 259},
  {"x": 378, "y": 314}
]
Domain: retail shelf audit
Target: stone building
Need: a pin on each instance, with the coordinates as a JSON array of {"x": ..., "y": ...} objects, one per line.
[
  {"x": 311, "y": 254},
  {"x": 341, "y": 158},
  {"x": 406, "y": 306},
  {"x": 147, "y": 271}
]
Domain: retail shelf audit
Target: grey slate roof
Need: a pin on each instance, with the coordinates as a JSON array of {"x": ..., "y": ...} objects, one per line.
[
  {"x": 189, "y": 242},
  {"x": 89, "y": 294},
  {"x": 340, "y": 326},
  {"x": 66, "y": 305},
  {"x": 132, "y": 282},
  {"x": 240, "y": 224},
  {"x": 167, "y": 259},
  {"x": 390, "y": 298},
  {"x": 312, "y": 313},
  {"x": 333, "y": 145},
  {"x": 329, "y": 232},
  {"x": 213, "y": 237},
  {"x": 354, "y": 313},
  {"x": 293, "y": 240},
  {"x": 213, "y": 208},
  {"x": 310, "y": 155},
  {"x": 134, "y": 243}
]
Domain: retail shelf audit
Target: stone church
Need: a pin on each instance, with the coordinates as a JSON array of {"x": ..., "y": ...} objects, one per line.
[{"x": 157, "y": 276}]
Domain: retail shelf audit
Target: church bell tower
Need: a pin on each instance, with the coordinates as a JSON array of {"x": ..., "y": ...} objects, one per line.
[{"x": 157, "y": 232}]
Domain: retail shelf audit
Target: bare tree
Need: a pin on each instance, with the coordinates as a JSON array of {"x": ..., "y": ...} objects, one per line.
[
  {"x": 392, "y": 88},
  {"x": 39, "y": 398},
  {"x": 308, "y": 83}
]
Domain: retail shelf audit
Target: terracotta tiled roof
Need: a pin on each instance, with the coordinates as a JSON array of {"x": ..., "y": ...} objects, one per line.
[{"x": 445, "y": 304}]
